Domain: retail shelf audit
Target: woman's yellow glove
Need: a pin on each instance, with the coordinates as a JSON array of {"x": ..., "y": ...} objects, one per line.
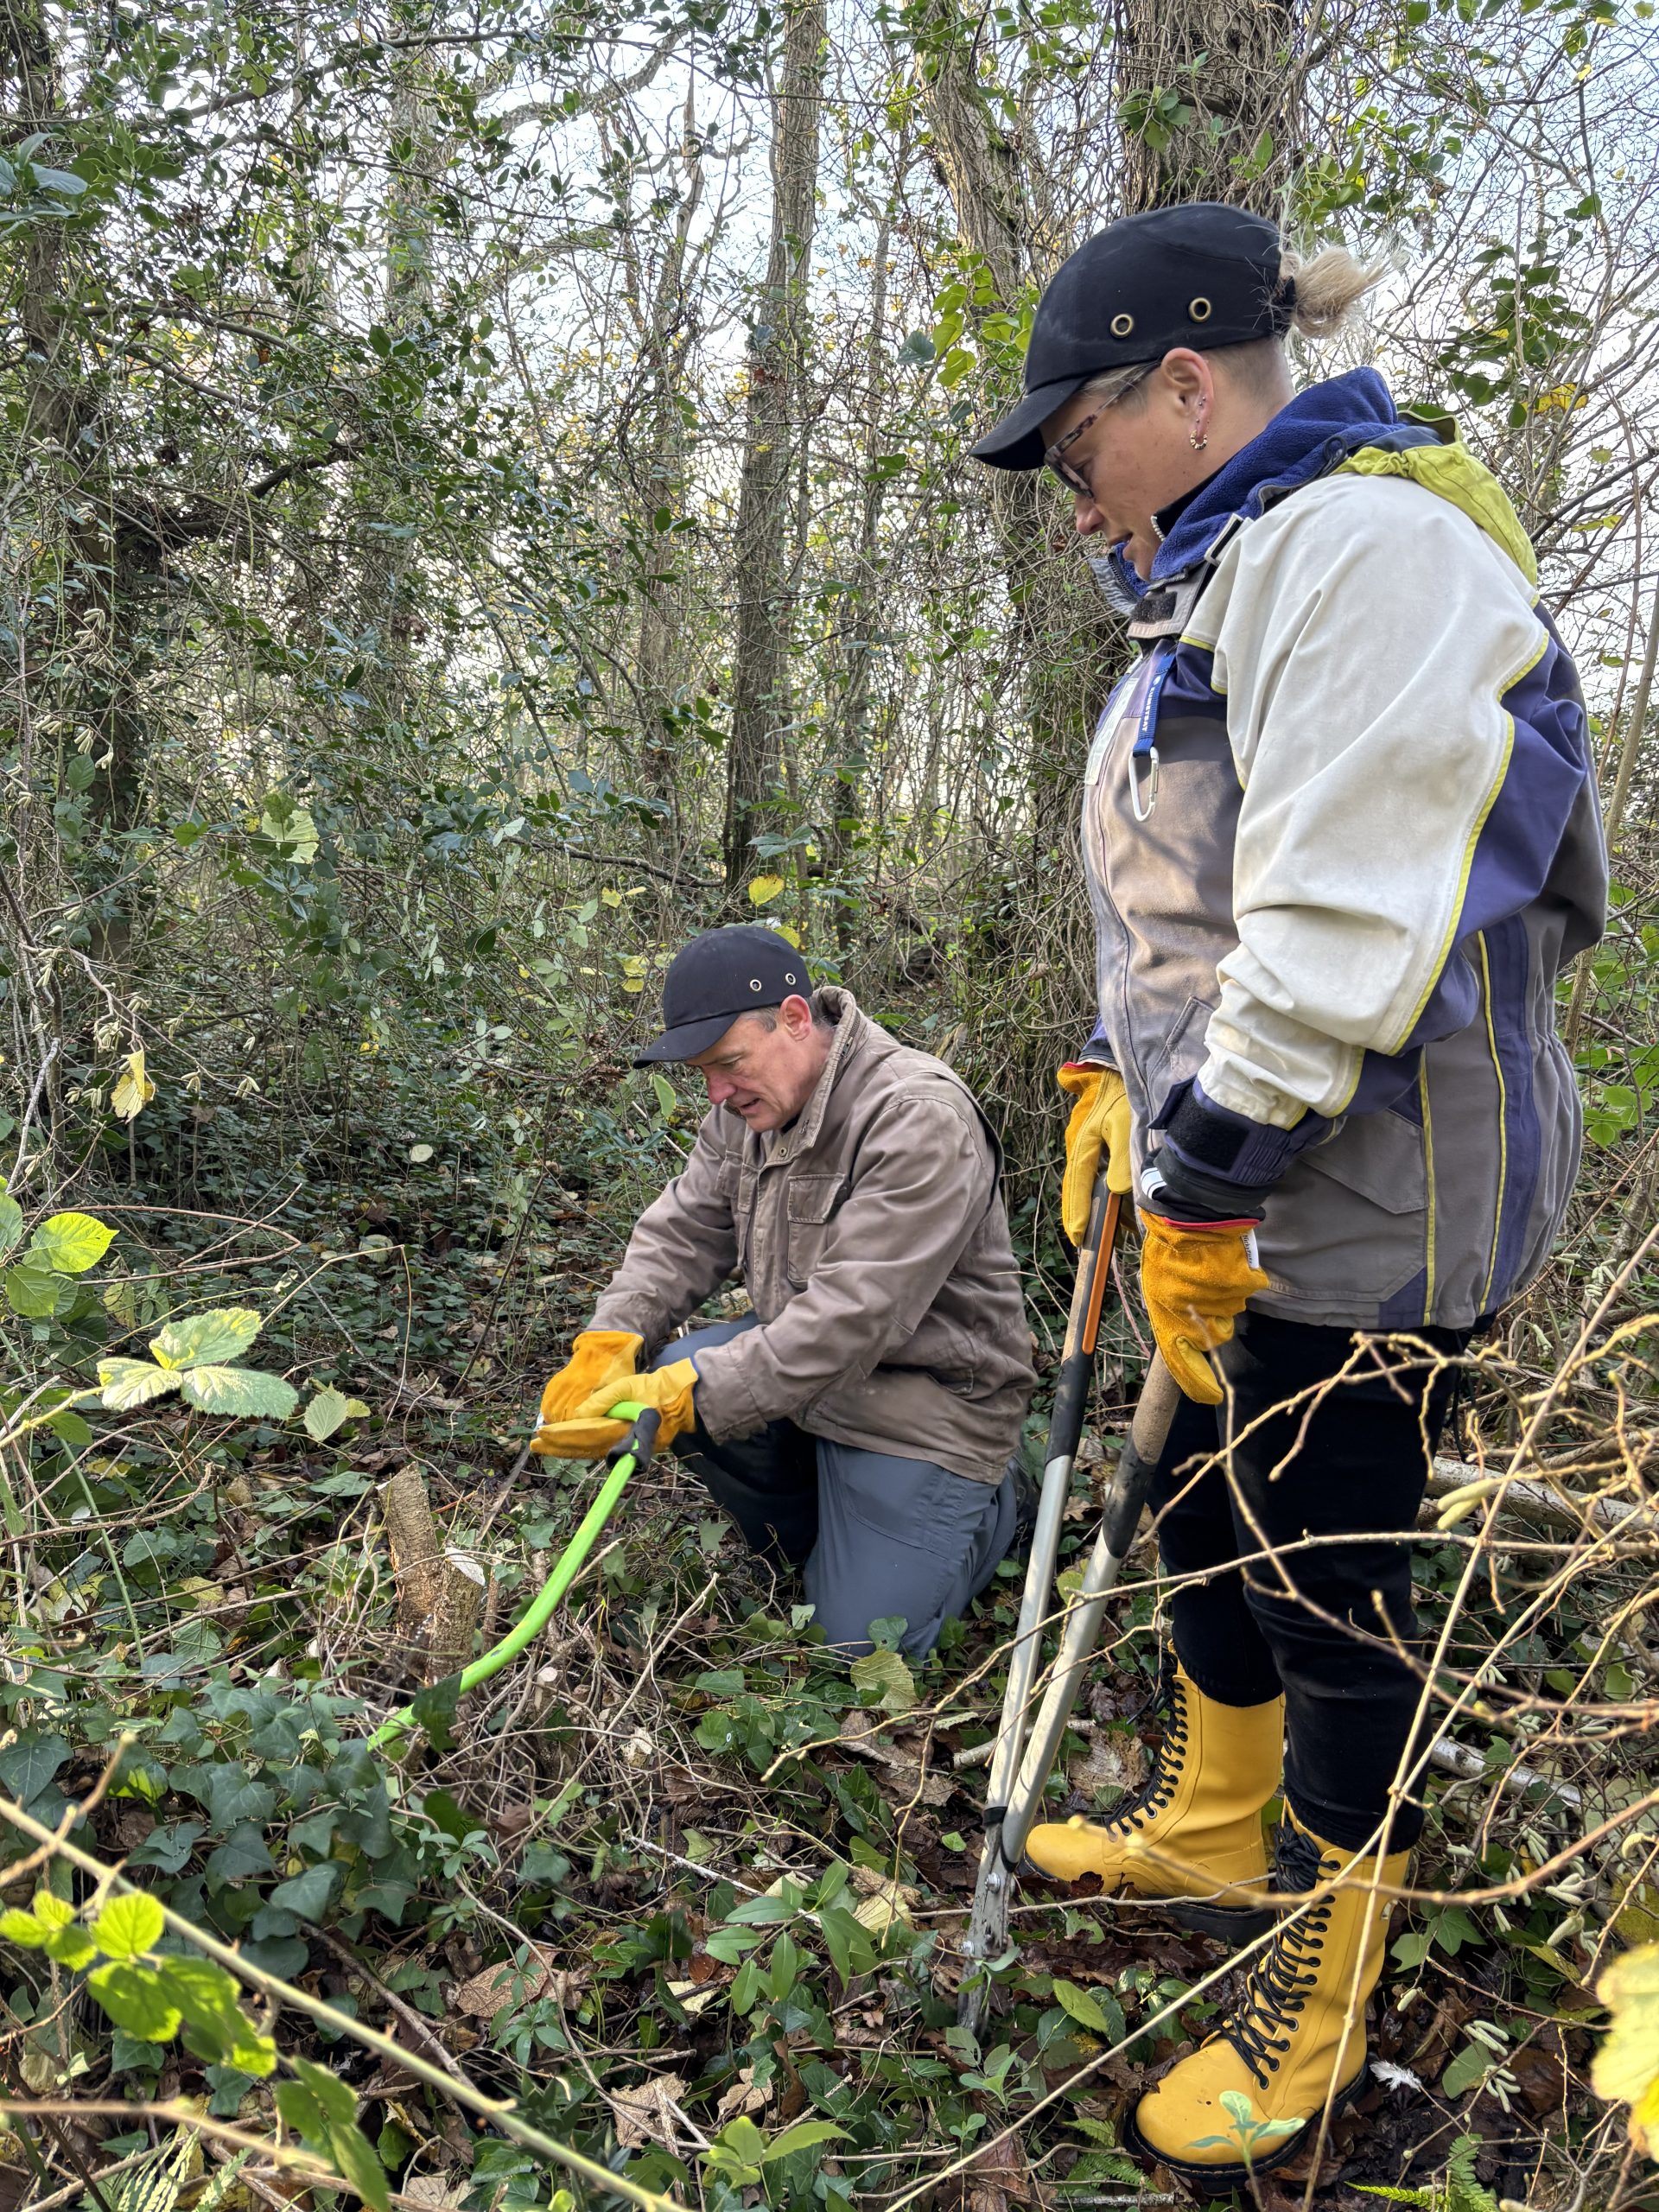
[
  {"x": 1196, "y": 1278},
  {"x": 1100, "y": 1117},
  {"x": 598, "y": 1358}
]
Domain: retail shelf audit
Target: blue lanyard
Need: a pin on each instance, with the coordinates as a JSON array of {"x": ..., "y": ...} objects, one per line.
[{"x": 1144, "y": 797}]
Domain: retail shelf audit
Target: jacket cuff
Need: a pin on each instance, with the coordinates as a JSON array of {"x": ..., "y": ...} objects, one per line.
[{"x": 1217, "y": 1142}]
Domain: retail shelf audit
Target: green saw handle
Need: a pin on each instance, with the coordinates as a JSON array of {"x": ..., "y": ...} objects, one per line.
[{"x": 623, "y": 1463}]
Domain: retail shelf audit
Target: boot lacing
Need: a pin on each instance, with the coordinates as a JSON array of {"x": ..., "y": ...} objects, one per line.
[
  {"x": 1161, "y": 1784},
  {"x": 1280, "y": 1986}
]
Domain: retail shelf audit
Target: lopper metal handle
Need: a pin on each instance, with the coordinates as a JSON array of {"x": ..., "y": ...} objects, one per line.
[{"x": 623, "y": 1461}]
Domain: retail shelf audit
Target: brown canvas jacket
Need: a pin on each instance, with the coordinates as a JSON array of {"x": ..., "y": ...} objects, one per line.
[{"x": 873, "y": 1241}]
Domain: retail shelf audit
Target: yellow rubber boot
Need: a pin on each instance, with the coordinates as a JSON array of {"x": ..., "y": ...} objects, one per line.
[
  {"x": 1296, "y": 2043},
  {"x": 1191, "y": 1839}
]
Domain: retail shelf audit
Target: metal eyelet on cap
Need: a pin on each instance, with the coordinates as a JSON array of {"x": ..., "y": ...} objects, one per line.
[
  {"x": 1122, "y": 325},
  {"x": 754, "y": 982},
  {"x": 789, "y": 974},
  {"x": 1200, "y": 310}
]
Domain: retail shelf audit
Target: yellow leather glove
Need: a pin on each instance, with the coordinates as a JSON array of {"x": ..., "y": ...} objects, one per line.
[
  {"x": 597, "y": 1358},
  {"x": 1197, "y": 1277},
  {"x": 1100, "y": 1117},
  {"x": 668, "y": 1389}
]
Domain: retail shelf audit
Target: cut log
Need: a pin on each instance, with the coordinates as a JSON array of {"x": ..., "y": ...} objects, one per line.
[{"x": 439, "y": 1589}]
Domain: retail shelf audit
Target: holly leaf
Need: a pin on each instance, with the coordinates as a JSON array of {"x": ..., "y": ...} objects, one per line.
[
  {"x": 240, "y": 1390},
  {"x": 207, "y": 1339}
]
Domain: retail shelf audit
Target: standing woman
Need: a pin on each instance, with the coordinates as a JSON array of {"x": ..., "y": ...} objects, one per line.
[{"x": 1341, "y": 834}]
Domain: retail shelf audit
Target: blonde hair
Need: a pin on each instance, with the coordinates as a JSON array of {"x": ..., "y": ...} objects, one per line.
[{"x": 1328, "y": 285}]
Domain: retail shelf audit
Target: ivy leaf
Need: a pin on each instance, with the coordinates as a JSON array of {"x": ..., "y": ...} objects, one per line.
[
  {"x": 308, "y": 1894},
  {"x": 207, "y": 1339},
  {"x": 129, "y": 1926},
  {"x": 130, "y": 1382},
  {"x": 28, "y": 1765},
  {"x": 136, "y": 1999},
  {"x": 71, "y": 1242},
  {"x": 240, "y": 1390}
]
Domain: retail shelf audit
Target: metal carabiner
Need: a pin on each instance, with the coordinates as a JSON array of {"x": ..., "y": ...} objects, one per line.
[{"x": 1149, "y": 790}]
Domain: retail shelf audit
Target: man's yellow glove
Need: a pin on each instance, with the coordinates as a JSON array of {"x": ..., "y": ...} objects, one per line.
[
  {"x": 1197, "y": 1277},
  {"x": 599, "y": 1359},
  {"x": 668, "y": 1389},
  {"x": 1100, "y": 1116}
]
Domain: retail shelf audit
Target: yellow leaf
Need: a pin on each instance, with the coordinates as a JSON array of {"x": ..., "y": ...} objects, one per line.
[
  {"x": 794, "y": 936},
  {"x": 1625, "y": 2069},
  {"x": 612, "y": 898},
  {"x": 134, "y": 1090},
  {"x": 765, "y": 887}
]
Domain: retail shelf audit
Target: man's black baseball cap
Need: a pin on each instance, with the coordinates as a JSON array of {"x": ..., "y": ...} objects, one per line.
[
  {"x": 720, "y": 975},
  {"x": 1202, "y": 275}
]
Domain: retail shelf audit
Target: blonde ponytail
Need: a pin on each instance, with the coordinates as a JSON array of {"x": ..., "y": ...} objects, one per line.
[{"x": 1328, "y": 284}]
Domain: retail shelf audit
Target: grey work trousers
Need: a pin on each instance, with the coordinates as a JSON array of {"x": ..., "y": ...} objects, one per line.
[{"x": 878, "y": 1537}]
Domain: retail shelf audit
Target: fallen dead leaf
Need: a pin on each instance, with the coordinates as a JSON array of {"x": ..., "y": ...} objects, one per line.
[
  {"x": 743, "y": 2097},
  {"x": 437, "y": 2190},
  {"x": 645, "y": 2113},
  {"x": 1112, "y": 1763},
  {"x": 483, "y": 1997},
  {"x": 901, "y": 1775}
]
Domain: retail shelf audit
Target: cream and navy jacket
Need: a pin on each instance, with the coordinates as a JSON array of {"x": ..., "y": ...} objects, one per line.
[{"x": 1341, "y": 834}]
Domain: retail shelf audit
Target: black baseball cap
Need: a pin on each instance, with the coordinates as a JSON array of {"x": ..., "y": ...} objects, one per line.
[
  {"x": 1203, "y": 274},
  {"x": 718, "y": 976}
]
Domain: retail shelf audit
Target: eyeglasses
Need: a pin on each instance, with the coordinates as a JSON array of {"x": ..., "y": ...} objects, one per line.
[{"x": 1074, "y": 479}]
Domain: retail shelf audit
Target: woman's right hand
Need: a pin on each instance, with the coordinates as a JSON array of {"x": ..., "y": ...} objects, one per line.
[{"x": 1100, "y": 1118}]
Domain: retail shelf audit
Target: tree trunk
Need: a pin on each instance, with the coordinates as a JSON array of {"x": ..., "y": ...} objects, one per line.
[
  {"x": 760, "y": 698},
  {"x": 1210, "y": 102},
  {"x": 660, "y": 480}
]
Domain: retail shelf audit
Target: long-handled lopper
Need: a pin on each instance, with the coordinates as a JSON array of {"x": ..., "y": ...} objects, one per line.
[
  {"x": 623, "y": 1461},
  {"x": 1026, "y": 1746}
]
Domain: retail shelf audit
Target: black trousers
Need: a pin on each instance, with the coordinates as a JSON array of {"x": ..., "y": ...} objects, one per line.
[{"x": 1349, "y": 1461}]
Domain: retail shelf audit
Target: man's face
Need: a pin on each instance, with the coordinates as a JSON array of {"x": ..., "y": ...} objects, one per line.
[{"x": 765, "y": 1076}]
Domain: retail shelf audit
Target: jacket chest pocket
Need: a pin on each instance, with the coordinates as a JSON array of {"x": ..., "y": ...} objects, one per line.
[{"x": 810, "y": 1201}]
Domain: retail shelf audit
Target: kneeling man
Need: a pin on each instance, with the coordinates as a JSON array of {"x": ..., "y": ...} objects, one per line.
[{"x": 861, "y": 1420}]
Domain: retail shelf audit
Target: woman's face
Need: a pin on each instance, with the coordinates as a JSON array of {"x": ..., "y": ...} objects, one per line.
[{"x": 1138, "y": 454}]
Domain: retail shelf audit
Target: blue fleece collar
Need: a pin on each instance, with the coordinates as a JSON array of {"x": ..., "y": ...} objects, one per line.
[{"x": 1320, "y": 428}]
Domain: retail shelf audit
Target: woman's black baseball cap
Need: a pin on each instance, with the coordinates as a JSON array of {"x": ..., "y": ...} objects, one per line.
[
  {"x": 717, "y": 976},
  {"x": 1203, "y": 274}
]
